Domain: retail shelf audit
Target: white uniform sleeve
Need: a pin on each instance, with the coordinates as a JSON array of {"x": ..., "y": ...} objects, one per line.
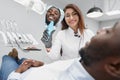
[
  {"x": 56, "y": 47},
  {"x": 14, "y": 76}
]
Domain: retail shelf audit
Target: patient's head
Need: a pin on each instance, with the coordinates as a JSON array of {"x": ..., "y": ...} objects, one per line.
[{"x": 102, "y": 54}]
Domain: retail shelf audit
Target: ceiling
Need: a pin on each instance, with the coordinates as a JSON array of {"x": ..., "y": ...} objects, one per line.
[{"x": 85, "y": 5}]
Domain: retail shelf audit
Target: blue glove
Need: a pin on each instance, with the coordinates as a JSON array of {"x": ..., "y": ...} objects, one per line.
[
  {"x": 50, "y": 28},
  {"x": 47, "y": 35}
]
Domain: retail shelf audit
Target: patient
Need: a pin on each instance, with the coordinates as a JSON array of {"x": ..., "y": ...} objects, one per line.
[{"x": 100, "y": 60}]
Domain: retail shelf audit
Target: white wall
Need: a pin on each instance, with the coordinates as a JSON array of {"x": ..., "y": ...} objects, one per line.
[
  {"x": 108, "y": 23},
  {"x": 92, "y": 24}
]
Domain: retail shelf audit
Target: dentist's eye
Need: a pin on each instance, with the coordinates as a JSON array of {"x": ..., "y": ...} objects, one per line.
[
  {"x": 67, "y": 15},
  {"x": 75, "y": 13}
]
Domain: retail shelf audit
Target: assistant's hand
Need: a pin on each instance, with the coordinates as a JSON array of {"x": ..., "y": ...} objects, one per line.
[{"x": 47, "y": 39}]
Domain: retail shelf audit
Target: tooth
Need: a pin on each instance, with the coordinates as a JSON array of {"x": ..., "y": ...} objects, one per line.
[{"x": 50, "y": 17}]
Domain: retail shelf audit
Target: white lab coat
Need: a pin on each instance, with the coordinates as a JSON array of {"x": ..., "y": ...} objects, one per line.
[{"x": 70, "y": 44}]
